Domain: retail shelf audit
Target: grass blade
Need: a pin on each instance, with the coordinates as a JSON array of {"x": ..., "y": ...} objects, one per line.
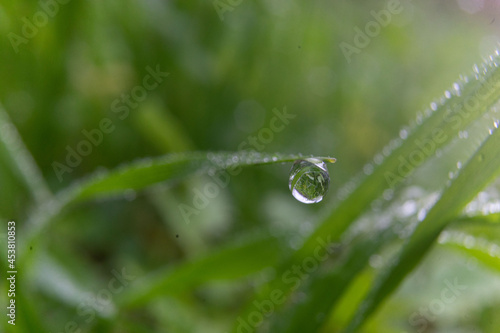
[
  {"x": 144, "y": 173},
  {"x": 147, "y": 172},
  {"x": 481, "y": 169},
  {"x": 23, "y": 160},
  {"x": 245, "y": 257}
]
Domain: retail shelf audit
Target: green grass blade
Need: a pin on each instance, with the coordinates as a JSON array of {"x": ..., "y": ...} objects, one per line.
[
  {"x": 480, "y": 170},
  {"x": 297, "y": 318},
  {"x": 147, "y": 172},
  {"x": 475, "y": 236},
  {"x": 144, "y": 173},
  {"x": 485, "y": 251},
  {"x": 246, "y": 257}
]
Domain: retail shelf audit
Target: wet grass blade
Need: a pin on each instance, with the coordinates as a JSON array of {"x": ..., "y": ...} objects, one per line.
[
  {"x": 147, "y": 172},
  {"x": 481, "y": 169},
  {"x": 297, "y": 318},
  {"x": 144, "y": 173}
]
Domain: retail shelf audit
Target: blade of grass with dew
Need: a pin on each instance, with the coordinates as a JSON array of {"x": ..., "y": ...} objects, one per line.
[
  {"x": 147, "y": 172},
  {"x": 144, "y": 173},
  {"x": 246, "y": 257},
  {"x": 297, "y": 318},
  {"x": 471, "y": 98},
  {"x": 475, "y": 236},
  {"x": 317, "y": 302},
  {"x": 479, "y": 171},
  {"x": 485, "y": 251}
]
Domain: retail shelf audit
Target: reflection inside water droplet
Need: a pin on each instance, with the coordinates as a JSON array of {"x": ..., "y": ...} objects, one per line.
[{"x": 309, "y": 180}]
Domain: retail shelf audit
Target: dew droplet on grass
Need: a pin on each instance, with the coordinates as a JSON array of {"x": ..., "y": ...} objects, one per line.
[{"x": 309, "y": 180}]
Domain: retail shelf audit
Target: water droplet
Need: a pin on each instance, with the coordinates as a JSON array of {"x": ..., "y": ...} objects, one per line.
[
  {"x": 456, "y": 86},
  {"x": 403, "y": 134},
  {"x": 459, "y": 165},
  {"x": 309, "y": 180},
  {"x": 368, "y": 169},
  {"x": 421, "y": 214},
  {"x": 469, "y": 241},
  {"x": 378, "y": 159}
]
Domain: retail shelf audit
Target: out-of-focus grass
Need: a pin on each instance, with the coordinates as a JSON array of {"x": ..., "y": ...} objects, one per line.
[{"x": 225, "y": 78}]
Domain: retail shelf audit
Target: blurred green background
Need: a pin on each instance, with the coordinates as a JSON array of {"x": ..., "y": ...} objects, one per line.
[{"x": 225, "y": 78}]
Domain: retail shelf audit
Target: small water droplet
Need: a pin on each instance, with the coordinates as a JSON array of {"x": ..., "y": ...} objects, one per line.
[
  {"x": 309, "y": 180},
  {"x": 368, "y": 169},
  {"x": 378, "y": 159},
  {"x": 494, "y": 250},
  {"x": 469, "y": 241},
  {"x": 443, "y": 237},
  {"x": 403, "y": 134},
  {"x": 421, "y": 214},
  {"x": 419, "y": 118},
  {"x": 459, "y": 165},
  {"x": 386, "y": 151}
]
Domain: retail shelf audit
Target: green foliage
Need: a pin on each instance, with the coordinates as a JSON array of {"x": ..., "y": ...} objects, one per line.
[{"x": 178, "y": 190}]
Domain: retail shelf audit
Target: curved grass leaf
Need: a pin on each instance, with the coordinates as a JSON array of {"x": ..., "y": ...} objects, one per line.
[
  {"x": 475, "y": 236},
  {"x": 147, "y": 172},
  {"x": 479, "y": 171}
]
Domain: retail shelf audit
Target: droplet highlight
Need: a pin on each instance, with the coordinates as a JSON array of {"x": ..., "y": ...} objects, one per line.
[{"x": 309, "y": 180}]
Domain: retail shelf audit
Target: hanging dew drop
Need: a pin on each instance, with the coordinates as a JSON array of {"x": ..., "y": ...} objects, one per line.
[{"x": 309, "y": 180}]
